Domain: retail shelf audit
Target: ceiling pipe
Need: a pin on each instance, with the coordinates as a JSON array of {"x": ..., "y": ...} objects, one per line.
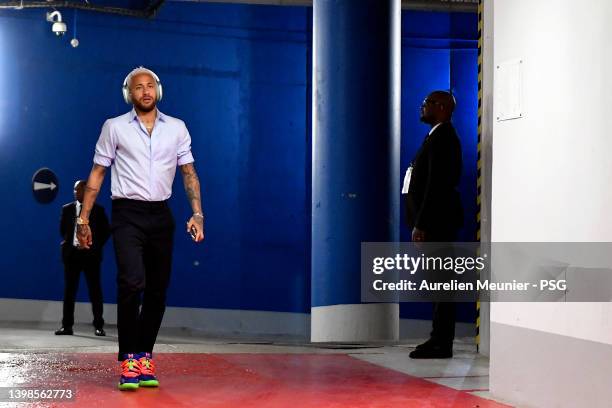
[
  {"x": 457, "y": 6},
  {"x": 460, "y": 6},
  {"x": 148, "y": 12}
]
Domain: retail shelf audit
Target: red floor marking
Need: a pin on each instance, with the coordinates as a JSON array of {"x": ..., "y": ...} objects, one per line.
[
  {"x": 457, "y": 376},
  {"x": 235, "y": 381}
]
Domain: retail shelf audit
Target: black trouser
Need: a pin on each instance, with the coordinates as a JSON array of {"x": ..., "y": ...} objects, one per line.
[
  {"x": 143, "y": 233},
  {"x": 443, "y": 324},
  {"x": 74, "y": 263},
  {"x": 443, "y": 321}
]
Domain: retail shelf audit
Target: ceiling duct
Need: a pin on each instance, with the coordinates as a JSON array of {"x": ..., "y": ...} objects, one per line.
[
  {"x": 149, "y": 11},
  {"x": 151, "y": 8},
  {"x": 460, "y": 6}
]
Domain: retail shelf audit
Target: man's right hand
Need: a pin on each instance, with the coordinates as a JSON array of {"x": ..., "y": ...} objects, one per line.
[{"x": 84, "y": 236}]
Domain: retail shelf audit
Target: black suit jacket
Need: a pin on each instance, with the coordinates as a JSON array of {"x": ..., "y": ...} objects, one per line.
[
  {"x": 433, "y": 203},
  {"x": 100, "y": 230}
]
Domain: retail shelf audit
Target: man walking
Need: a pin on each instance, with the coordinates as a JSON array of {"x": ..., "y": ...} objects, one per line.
[{"x": 143, "y": 148}]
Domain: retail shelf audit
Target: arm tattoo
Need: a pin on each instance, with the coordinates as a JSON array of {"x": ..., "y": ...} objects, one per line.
[
  {"x": 192, "y": 186},
  {"x": 91, "y": 192}
]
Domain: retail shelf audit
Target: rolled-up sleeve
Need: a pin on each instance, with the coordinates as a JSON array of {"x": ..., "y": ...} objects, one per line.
[
  {"x": 106, "y": 147},
  {"x": 184, "y": 155}
]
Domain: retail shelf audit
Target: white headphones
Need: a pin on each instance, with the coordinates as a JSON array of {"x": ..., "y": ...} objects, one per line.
[{"x": 140, "y": 70}]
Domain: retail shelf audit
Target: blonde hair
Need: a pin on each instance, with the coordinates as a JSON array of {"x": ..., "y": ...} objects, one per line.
[
  {"x": 137, "y": 71},
  {"x": 127, "y": 82}
]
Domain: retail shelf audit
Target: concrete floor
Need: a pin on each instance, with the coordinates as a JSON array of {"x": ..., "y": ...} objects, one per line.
[{"x": 467, "y": 372}]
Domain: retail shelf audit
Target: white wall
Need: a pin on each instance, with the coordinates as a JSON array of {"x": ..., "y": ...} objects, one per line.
[
  {"x": 552, "y": 173},
  {"x": 486, "y": 154},
  {"x": 214, "y": 322}
]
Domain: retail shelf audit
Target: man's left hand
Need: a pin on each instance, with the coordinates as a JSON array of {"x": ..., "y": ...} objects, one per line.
[{"x": 198, "y": 223}]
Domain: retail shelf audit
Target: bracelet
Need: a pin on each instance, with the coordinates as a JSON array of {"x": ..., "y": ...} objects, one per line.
[
  {"x": 81, "y": 221},
  {"x": 198, "y": 215}
]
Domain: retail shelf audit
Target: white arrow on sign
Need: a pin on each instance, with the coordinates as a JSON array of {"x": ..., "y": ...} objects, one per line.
[{"x": 43, "y": 186}]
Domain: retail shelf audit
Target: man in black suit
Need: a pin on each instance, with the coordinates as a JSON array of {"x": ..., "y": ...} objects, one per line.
[
  {"x": 77, "y": 259},
  {"x": 433, "y": 205}
]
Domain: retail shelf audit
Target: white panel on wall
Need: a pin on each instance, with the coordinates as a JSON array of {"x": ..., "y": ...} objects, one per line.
[{"x": 508, "y": 97}]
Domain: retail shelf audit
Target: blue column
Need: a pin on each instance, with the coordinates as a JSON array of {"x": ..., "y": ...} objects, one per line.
[{"x": 355, "y": 156}]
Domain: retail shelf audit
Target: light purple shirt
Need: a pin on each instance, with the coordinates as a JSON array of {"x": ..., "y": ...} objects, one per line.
[{"x": 142, "y": 166}]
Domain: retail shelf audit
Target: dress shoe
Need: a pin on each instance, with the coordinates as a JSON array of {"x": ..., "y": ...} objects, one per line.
[
  {"x": 64, "y": 331},
  {"x": 428, "y": 344},
  {"x": 432, "y": 352},
  {"x": 100, "y": 332}
]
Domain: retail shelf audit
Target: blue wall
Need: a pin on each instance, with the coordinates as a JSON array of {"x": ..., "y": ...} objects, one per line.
[
  {"x": 240, "y": 78},
  {"x": 237, "y": 75}
]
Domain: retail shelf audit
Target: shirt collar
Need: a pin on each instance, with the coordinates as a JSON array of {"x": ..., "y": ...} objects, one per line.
[
  {"x": 435, "y": 127},
  {"x": 133, "y": 116}
]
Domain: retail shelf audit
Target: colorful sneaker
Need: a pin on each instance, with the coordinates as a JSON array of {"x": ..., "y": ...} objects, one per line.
[
  {"x": 147, "y": 371},
  {"x": 130, "y": 373}
]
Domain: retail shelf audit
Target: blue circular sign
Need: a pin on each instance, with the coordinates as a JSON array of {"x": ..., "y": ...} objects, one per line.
[{"x": 45, "y": 186}]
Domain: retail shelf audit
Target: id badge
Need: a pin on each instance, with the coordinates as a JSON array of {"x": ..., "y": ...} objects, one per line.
[{"x": 406, "y": 184}]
